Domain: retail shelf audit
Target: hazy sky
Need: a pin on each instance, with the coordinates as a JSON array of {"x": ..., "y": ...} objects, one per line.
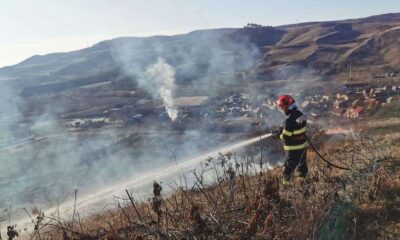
[{"x": 29, "y": 27}]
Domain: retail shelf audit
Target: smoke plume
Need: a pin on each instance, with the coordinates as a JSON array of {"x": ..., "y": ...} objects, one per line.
[
  {"x": 55, "y": 159},
  {"x": 160, "y": 79}
]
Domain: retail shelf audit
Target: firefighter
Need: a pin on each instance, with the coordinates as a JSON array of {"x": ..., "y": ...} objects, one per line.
[{"x": 293, "y": 135}]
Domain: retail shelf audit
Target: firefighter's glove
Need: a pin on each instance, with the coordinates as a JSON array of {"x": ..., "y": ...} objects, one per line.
[{"x": 277, "y": 133}]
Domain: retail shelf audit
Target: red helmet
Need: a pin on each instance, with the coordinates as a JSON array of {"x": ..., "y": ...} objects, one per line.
[{"x": 285, "y": 102}]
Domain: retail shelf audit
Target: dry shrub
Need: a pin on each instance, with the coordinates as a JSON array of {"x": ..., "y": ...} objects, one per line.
[{"x": 254, "y": 205}]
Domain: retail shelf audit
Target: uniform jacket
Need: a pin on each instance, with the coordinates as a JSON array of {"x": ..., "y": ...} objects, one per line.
[{"x": 294, "y": 130}]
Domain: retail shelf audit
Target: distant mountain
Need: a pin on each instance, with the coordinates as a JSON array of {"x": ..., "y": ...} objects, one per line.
[
  {"x": 370, "y": 45},
  {"x": 194, "y": 55}
]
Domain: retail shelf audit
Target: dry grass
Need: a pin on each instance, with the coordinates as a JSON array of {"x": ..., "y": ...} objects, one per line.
[{"x": 331, "y": 204}]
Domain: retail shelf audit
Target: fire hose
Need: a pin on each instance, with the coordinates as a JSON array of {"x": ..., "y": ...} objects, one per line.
[
  {"x": 276, "y": 133},
  {"x": 324, "y": 159}
]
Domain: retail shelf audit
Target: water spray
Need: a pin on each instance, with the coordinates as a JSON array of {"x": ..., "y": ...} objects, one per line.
[
  {"x": 168, "y": 171},
  {"x": 141, "y": 182}
]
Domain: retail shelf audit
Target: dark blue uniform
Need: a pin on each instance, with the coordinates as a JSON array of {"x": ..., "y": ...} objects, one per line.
[{"x": 295, "y": 143}]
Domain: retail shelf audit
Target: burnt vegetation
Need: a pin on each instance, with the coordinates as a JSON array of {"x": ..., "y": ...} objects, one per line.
[
  {"x": 245, "y": 202},
  {"x": 88, "y": 89}
]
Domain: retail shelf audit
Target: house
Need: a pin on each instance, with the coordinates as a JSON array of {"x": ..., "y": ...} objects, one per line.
[
  {"x": 337, "y": 112},
  {"x": 238, "y": 98},
  {"x": 371, "y": 103},
  {"x": 340, "y": 104},
  {"x": 342, "y": 96},
  {"x": 355, "y": 103},
  {"x": 371, "y": 92},
  {"x": 90, "y": 122},
  {"x": 353, "y": 112},
  {"x": 366, "y": 92}
]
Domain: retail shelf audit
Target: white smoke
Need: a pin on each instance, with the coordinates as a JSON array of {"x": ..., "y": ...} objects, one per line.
[
  {"x": 64, "y": 159},
  {"x": 161, "y": 76}
]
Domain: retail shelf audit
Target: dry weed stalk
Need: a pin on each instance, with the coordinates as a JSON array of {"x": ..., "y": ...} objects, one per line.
[{"x": 244, "y": 203}]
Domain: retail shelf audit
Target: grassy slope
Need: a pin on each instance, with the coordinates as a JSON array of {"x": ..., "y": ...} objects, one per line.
[{"x": 244, "y": 204}]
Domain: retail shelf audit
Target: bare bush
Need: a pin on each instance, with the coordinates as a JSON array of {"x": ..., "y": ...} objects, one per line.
[{"x": 246, "y": 203}]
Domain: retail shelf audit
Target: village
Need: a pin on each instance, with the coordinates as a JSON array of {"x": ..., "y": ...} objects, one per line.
[{"x": 352, "y": 100}]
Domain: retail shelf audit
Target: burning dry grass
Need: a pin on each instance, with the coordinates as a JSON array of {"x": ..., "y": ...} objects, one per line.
[{"x": 241, "y": 204}]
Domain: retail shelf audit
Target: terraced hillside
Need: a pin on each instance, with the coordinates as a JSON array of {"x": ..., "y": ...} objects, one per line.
[{"x": 370, "y": 45}]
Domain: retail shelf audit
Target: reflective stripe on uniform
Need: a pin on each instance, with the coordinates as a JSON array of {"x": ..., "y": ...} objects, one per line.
[
  {"x": 281, "y": 137},
  {"x": 300, "y": 131},
  {"x": 287, "y": 133},
  {"x": 295, "y": 132},
  {"x": 295, "y": 147}
]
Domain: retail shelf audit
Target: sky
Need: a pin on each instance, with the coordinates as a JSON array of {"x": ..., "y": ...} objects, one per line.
[{"x": 37, "y": 27}]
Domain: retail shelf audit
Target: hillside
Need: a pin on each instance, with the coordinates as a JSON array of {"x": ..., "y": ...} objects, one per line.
[
  {"x": 131, "y": 110},
  {"x": 370, "y": 45},
  {"x": 247, "y": 202},
  {"x": 192, "y": 54}
]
